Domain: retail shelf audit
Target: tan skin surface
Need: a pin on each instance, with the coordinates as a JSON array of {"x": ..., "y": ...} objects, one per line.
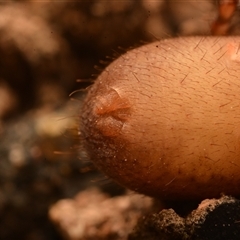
[{"x": 164, "y": 119}]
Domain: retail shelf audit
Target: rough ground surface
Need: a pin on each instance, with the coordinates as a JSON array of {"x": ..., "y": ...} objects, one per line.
[
  {"x": 214, "y": 219},
  {"x": 93, "y": 215}
]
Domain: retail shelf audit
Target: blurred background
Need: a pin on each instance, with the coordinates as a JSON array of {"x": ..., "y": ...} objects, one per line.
[{"x": 49, "y": 49}]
